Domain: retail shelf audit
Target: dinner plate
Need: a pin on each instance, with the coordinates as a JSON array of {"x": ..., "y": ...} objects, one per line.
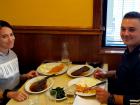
[
  {"x": 52, "y": 68},
  {"x": 84, "y": 81},
  {"x": 76, "y": 67},
  {"x": 49, "y": 83},
  {"x": 61, "y": 99}
]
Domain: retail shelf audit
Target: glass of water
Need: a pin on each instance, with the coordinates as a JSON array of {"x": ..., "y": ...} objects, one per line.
[
  {"x": 70, "y": 94},
  {"x": 51, "y": 99},
  {"x": 33, "y": 100}
]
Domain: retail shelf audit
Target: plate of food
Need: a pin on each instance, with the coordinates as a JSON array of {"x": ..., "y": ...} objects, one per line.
[
  {"x": 80, "y": 70},
  {"x": 34, "y": 86},
  {"x": 81, "y": 84},
  {"x": 57, "y": 94},
  {"x": 52, "y": 68}
]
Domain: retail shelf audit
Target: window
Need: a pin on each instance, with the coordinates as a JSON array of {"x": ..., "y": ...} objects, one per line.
[{"x": 114, "y": 11}]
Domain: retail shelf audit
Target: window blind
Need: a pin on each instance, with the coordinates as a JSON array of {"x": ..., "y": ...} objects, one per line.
[{"x": 116, "y": 9}]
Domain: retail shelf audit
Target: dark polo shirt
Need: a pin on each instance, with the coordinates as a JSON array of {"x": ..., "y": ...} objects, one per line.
[{"x": 128, "y": 77}]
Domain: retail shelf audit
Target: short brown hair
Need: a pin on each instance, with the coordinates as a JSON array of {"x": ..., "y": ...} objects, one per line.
[
  {"x": 132, "y": 15},
  {"x": 5, "y": 24}
]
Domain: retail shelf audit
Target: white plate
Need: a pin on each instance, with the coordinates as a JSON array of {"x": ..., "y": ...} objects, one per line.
[
  {"x": 47, "y": 67},
  {"x": 61, "y": 98},
  {"x": 49, "y": 83},
  {"x": 88, "y": 81},
  {"x": 76, "y": 67}
]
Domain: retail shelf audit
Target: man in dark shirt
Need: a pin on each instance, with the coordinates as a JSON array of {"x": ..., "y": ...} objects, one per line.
[{"x": 128, "y": 73}]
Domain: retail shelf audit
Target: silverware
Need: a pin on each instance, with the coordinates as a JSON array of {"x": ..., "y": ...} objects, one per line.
[{"x": 98, "y": 84}]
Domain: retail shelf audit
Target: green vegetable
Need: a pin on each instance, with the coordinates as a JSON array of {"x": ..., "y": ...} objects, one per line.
[{"x": 59, "y": 92}]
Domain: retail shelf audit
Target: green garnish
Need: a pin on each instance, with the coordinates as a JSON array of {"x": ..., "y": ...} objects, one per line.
[{"x": 59, "y": 92}]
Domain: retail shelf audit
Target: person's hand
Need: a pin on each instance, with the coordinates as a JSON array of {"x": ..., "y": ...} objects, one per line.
[
  {"x": 18, "y": 96},
  {"x": 99, "y": 74},
  {"x": 102, "y": 95},
  {"x": 1, "y": 93},
  {"x": 32, "y": 74}
]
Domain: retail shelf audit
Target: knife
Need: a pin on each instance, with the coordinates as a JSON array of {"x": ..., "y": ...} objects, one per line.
[{"x": 98, "y": 84}]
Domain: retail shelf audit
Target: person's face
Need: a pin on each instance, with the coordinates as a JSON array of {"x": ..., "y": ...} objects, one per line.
[
  {"x": 130, "y": 32},
  {"x": 7, "y": 38}
]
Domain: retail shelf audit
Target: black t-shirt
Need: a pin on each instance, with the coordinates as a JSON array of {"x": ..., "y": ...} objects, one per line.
[{"x": 128, "y": 76}]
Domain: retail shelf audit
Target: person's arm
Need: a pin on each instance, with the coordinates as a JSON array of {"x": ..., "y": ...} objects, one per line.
[
  {"x": 111, "y": 74},
  {"x": 23, "y": 77},
  {"x": 17, "y": 95},
  {"x": 126, "y": 99},
  {"x": 3, "y": 97},
  {"x": 1, "y": 94},
  {"x": 100, "y": 74},
  {"x": 105, "y": 97},
  {"x": 29, "y": 75},
  {"x": 118, "y": 99}
]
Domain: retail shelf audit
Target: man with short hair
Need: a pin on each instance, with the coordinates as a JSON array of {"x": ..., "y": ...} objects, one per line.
[{"x": 127, "y": 75}]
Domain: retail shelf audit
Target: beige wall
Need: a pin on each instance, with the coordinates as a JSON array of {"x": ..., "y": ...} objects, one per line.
[{"x": 73, "y": 13}]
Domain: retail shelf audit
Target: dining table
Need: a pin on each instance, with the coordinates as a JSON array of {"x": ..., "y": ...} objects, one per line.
[{"x": 59, "y": 81}]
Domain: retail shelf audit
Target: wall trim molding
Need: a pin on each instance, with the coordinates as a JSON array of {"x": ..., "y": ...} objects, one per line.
[{"x": 57, "y": 30}]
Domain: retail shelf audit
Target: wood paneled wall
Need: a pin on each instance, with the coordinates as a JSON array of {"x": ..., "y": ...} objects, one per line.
[{"x": 36, "y": 44}]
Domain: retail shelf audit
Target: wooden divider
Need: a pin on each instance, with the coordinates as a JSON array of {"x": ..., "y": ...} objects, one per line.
[{"x": 33, "y": 45}]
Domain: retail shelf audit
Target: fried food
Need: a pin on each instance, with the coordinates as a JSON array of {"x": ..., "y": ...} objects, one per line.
[
  {"x": 83, "y": 89},
  {"x": 80, "y": 71},
  {"x": 56, "y": 69}
]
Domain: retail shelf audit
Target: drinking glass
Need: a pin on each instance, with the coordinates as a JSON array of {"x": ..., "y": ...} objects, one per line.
[
  {"x": 51, "y": 100},
  {"x": 70, "y": 94},
  {"x": 33, "y": 100}
]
